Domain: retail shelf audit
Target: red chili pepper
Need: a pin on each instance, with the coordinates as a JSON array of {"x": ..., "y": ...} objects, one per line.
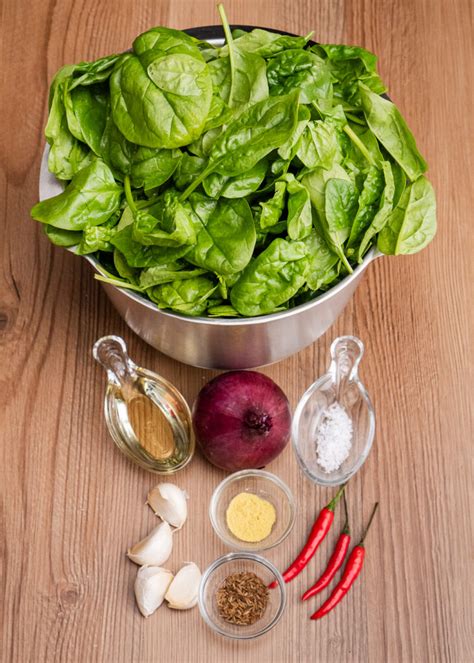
[
  {"x": 319, "y": 531},
  {"x": 351, "y": 571},
  {"x": 335, "y": 563}
]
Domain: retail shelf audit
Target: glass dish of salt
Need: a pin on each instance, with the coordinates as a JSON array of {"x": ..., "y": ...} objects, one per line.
[{"x": 334, "y": 422}]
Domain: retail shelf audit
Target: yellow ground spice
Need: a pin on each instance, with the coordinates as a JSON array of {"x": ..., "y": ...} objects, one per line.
[{"x": 250, "y": 518}]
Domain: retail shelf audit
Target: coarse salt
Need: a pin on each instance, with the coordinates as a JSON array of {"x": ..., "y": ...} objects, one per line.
[{"x": 333, "y": 438}]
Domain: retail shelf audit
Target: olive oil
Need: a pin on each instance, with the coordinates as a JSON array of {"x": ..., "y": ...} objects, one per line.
[
  {"x": 147, "y": 416},
  {"x": 152, "y": 429}
]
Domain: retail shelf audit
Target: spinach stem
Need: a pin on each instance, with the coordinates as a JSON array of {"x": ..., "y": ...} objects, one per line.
[
  {"x": 128, "y": 194},
  {"x": 195, "y": 183},
  {"x": 345, "y": 262},
  {"x": 119, "y": 283},
  {"x": 359, "y": 144},
  {"x": 230, "y": 45}
]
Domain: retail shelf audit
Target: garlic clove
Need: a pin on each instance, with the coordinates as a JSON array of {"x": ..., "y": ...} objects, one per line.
[
  {"x": 169, "y": 503},
  {"x": 183, "y": 591},
  {"x": 154, "y": 549},
  {"x": 150, "y": 588}
]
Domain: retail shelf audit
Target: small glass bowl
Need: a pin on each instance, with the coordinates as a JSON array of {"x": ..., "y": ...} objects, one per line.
[
  {"x": 340, "y": 384},
  {"x": 240, "y": 562},
  {"x": 267, "y": 486}
]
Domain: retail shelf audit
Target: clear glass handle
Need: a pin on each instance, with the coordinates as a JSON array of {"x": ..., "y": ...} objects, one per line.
[
  {"x": 111, "y": 352},
  {"x": 346, "y": 353}
]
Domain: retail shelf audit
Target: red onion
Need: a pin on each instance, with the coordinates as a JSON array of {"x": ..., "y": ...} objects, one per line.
[{"x": 242, "y": 420}]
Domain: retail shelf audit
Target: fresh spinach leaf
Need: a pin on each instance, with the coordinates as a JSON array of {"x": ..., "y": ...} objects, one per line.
[
  {"x": 153, "y": 167},
  {"x": 387, "y": 203},
  {"x": 412, "y": 224},
  {"x": 252, "y": 136},
  {"x": 295, "y": 69},
  {"x": 367, "y": 206},
  {"x": 322, "y": 263},
  {"x": 271, "y": 279},
  {"x": 96, "y": 238},
  {"x": 86, "y": 114},
  {"x": 167, "y": 273},
  {"x": 272, "y": 209},
  {"x": 386, "y": 122},
  {"x": 140, "y": 255},
  {"x": 89, "y": 199},
  {"x": 188, "y": 297},
  {"x": 239, "y": 186},
  {"x": 299, "y": 209},
  {"x": 161, "y": 99},
  {"x": 62, "y": 237},
  {"x": 319, "y": 145},
  {"x": 225, "y": 234},
  {"x": 67, "y": 155},
  {"x": 166, "y": 223},
  {"x": 340, "y": 208}
]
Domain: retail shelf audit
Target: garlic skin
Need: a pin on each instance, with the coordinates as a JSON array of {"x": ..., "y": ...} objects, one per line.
[
  {"x": 169, "y": 503},
  {"x": 184, "y": 589},
  {"x": 150, "y": 588},
  {"x": 154, "y": 549}
]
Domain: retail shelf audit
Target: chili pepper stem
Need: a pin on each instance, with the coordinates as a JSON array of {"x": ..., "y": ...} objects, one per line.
[
  {"x": 361, "y": 543},
  {"x": 345, "y": 529},
  {"x": 332, "y": 504}
]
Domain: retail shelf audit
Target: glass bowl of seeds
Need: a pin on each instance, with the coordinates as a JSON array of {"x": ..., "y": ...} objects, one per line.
[{"x": 234, "y": 599}]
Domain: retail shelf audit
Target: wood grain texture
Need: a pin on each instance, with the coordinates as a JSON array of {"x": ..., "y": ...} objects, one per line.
[{"x": 71, "y": 504}]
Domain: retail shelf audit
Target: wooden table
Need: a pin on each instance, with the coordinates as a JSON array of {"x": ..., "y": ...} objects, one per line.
[{"x": 73, "y": 503}]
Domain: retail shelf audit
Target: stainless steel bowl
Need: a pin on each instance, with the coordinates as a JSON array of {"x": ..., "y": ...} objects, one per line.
[{"x": 223, "y": 343}]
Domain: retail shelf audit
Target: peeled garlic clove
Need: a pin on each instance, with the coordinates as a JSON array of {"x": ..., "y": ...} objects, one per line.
[
  {"x": 150, "y": 588},
  {"x": 183, "y": 591},
  {"x": 169, "y": 503},
  {"x": 155, "y": 549}
]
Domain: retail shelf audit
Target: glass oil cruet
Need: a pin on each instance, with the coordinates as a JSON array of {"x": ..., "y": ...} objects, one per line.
[
  {"x": 340, "y": 384},
  {"x": 146, "y": 415}
]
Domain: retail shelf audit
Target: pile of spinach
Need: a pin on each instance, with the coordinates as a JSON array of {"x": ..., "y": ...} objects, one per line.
[{"x": 232, "y": 181}]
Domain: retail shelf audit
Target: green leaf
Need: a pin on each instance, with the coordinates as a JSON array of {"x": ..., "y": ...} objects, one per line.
[
  {"x": 315, "y": 182},
  {"x": 86, "y": 114},
  {"x": 239, "y": 186},
  {"x": 340, "y": 208},
  {"x": 260, "y": 129},
  {"x": 225, "y": 234},
  {"x": 153, "y": 167},
  {"x": 137, "y": 255},
  {"x": 385, "y": 120},
  {"x": 367, "y": 206},
  {"x": 89, "y": 200},
  {"x": 321, "y": 261},
  {"x": 299, "y": 70},
  {"x": 62, "y": 237},
  {"x": 96, "y": 238},
  {"x": 299, "y": 209},
  {"x": 67, "y": 155},
  {"x": 167, "y": 223},
  {"x": 167, "y": 273},
  {"x": 265, "y": 43},
  {"x": 412, "y": 224},
  {"x": 248, "y": 72},
  {"x": 186, "y": 296},
  {"x": 387, "y": 203},
  {"x": 272, "y": 209},
  {"x": 319, "y": 145},
  {"x": 271, "y": 279},
  {"x": 159, "y": 99}
]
